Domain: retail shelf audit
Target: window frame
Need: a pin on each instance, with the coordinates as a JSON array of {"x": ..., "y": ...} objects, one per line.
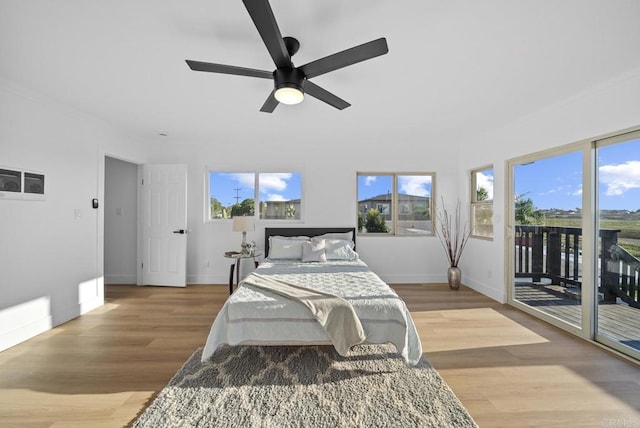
[
  {"x": 19, "y": 177},
  {"x": 256, "y": 195},
  {"x": 394, "y": 204},
  {"x": 475, "y": 204}
]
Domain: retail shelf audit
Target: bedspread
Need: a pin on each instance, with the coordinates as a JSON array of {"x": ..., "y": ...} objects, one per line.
[{"x": 258, "y": 317}]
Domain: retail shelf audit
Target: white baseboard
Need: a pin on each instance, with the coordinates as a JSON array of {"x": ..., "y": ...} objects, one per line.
[
  {"x": 23, "y": 321},
  {"x": 120, "y": 279},
  {"x": 24, "y": 332},
  {"x": 482, "y": 288},
  {"x": 207, "y": 279}
]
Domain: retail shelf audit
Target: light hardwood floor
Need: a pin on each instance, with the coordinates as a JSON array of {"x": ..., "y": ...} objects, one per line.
[{"x": 508, "y": 369}]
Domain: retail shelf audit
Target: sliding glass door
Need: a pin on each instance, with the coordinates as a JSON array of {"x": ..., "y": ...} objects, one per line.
[
  {"x": 547, "y": 229},
  {"x": 574, "y": 239},
  {"x": 618, "y": 252}
]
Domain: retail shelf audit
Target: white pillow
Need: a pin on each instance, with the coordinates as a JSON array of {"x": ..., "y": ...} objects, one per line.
[
  {"x": 302, "y": 238},
  {"x": 280, "y": 248},
  {"x": 334, "y": 240},
  {"x": 313, "y": 251},
  {"x": 339, "y": 249},
  {"x": 347, "y": 236}
]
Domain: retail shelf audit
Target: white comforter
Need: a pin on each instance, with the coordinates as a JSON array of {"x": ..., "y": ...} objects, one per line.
[{"x": 258, "y": 317}]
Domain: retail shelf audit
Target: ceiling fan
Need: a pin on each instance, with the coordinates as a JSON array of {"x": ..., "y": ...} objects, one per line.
[{"x": 290, "y": 82}]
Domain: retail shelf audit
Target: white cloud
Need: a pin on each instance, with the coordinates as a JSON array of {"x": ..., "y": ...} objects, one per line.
[
  {"x": 486, "y": 182},
  {"x": 274, "y": 197},
  {"x": 564, "y": 190},
  {"x": 620, "y": 178},
  {"x": 369, "y": 180},
  {"x": 414, "y": 184},
  {"x": 273, "y": 181},
  {"x": 245, "y": 178}
]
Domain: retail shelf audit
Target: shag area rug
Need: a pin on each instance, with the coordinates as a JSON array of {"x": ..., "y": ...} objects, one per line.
[{"x": 308, "y": 386}]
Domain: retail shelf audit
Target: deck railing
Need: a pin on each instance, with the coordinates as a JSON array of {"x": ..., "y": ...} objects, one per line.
[{"x": 554, "y": 253}]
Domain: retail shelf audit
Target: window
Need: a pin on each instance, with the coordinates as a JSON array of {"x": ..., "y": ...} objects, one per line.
[
  {"x": 278, "y": 195},
  {"x": 20, "y": 184},
  {"x": 482, "y": 202},
  {"x": 395, "y": 203}
]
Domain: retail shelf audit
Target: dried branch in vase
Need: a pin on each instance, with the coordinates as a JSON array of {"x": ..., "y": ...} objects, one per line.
[{"x": 453, "y": 235}]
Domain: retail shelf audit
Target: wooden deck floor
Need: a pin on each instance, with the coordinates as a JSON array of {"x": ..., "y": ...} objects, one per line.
[{"x": 619, "y": 322}]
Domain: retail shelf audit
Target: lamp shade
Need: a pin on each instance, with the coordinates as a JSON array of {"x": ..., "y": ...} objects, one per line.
[
  {"x": 243, "y": 224},
  {"x": 289, "y": 95}
]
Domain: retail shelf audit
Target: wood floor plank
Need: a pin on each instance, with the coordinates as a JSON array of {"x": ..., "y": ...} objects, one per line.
[{"x": 508, "y": 368}]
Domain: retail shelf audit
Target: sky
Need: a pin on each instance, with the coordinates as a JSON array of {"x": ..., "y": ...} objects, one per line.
[
  {"x": 229, "y": 188},
  {"x": 374, "y": 185},
  {"x": 557, "y": 182}
]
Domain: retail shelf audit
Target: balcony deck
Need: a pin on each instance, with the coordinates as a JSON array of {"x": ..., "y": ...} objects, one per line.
[{"x": 617, "y": 321}]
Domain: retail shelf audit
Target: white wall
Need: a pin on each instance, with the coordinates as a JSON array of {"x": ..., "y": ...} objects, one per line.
[
  {"x": 609, "y": 107},
  {"x": 329, "y": 192},
  {"x": 50, "y": 259},
  {"x": 120, "y": 222}
]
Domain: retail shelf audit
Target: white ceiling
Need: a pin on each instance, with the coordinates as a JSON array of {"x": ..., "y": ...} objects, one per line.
[{"x": 453, "y": 68}]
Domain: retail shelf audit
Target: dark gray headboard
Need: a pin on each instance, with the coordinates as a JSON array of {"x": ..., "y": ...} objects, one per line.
[{"x": 303, "y": 231}]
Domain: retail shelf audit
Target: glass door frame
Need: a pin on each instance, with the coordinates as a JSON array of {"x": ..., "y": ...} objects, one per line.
[
  {"x": 619, "y": 137},
  {"x": 586, "y": 327},
  {"x": 590, "y": 229}
]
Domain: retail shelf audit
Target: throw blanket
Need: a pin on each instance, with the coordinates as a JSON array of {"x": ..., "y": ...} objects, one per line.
[{"x": 335, "y": 315}]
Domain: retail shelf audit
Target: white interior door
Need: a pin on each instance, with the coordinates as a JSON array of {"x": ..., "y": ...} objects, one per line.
[{"x": 164, "y": 225}]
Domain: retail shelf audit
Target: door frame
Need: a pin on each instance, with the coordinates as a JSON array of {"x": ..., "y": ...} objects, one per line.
[
  {"x": 589, "y": 328},
  {"x": 585, "y": 330},
  {"x": 100, "y": 231}
]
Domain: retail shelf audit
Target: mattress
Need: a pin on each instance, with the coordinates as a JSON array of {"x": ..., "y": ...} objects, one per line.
[{"x": 253, "y": 316}]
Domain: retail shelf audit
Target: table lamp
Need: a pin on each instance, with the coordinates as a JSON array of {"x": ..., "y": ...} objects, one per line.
[{"x": 243, "y": 224}]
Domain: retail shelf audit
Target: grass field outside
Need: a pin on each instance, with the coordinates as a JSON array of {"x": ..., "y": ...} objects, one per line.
[{"x": 628, "y": 237}]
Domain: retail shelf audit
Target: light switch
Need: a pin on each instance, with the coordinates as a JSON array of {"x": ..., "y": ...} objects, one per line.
[
  {"x": 118, "y": 211},
  {"x": 77, "y": 213}
]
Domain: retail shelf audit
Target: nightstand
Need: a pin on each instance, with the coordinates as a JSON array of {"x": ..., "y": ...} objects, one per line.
[{"x": 238, "y": 257}]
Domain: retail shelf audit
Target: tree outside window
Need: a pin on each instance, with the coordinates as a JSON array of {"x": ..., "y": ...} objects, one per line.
[
  {"x": 395, "y": 203},
  {"x": 278, "y": 195},
  {"x": 482, "y": 202}
]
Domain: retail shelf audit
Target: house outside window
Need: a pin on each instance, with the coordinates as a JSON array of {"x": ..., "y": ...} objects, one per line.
[{"x": 395, "y": 203}]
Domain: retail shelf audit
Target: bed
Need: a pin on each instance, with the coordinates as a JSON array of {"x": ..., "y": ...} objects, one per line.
[{"x": 257, "y": 316}]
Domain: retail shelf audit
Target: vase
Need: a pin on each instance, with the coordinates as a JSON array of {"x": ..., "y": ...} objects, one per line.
[{"x": 454, "y": 276}]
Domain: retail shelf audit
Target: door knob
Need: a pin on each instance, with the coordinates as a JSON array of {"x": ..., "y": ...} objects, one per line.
[{"x": 180, "y": 231}]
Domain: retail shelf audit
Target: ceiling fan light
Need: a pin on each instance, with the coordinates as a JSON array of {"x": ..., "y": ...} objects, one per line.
[
  {"x": 289, "y": 95},
  {"x": 289, "y": 85}
]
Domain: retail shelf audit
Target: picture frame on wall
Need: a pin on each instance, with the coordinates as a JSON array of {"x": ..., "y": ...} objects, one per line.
[{"x": 17, "y": 183}]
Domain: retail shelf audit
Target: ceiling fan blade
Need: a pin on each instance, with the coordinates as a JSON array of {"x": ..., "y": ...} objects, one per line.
[
  {"x": 262, "y": 16},
  {"x": 345, "y": 58},
  {"x": 228, "y": 69},
  {"x": 324, "y": 95},
  {"x": 270, "y": 104}
]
